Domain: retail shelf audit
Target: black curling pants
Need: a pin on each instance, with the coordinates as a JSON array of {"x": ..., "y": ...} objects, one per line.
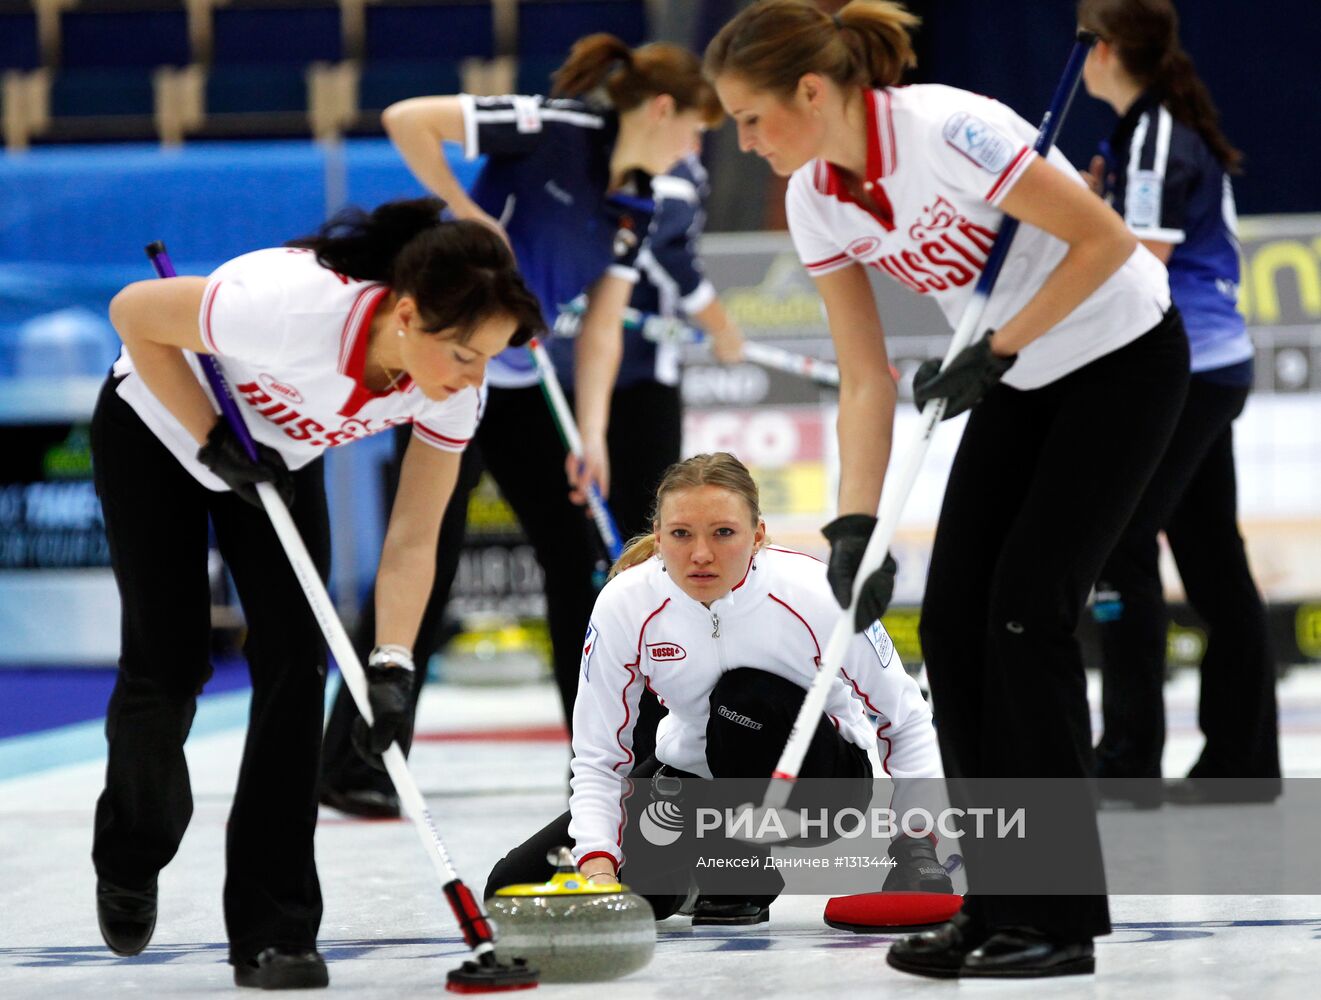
[
  {"x": 517, "y": 442},
  {"x": 1042, "y": 486},
  {"x": 733, "y": 750},
  {"x": 156, "y": 518},
  {"x": 1193, "y": 498}
]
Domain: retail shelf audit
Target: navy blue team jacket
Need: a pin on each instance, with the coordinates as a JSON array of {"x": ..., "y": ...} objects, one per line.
[
  {"x": 670, "y": 278},
  {"x": 545, "y": 180},
  {"x": 1163, "y": 179}
]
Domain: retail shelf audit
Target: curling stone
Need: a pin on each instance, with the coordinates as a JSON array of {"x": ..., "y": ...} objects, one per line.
[{"x": 572, "y": 930}]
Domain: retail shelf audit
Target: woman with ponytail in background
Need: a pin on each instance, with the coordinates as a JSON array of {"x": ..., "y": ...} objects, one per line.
[
  {"x": 567, "y": 184},
  {"x": 377, "y": 320},
  {"x": 914, "y": 181},
  {"x": 1166, "y": 171},
  {"x": 725, "y": 628}
]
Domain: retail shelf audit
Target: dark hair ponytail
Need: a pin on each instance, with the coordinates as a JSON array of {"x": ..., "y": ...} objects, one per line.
[
  {"x": 773, "y": 44},
  {"x": 364, "y": 246},
  {"x": 460, "y": 273},
  {"x": 1145, "y": 33},
  {"x": 1190, "y": 102},
  {"x": 630, "y": 77}
]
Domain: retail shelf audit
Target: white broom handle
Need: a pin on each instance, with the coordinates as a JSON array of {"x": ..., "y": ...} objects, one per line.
[
  {"x": 559, "y": 407},
  {"x": 351, "y": 671}
]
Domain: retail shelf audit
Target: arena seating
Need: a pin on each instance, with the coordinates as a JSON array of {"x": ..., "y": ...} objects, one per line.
[
  {"x": 547, "y": 29},
  {"x": 418, "y": 47},
  {"x": 20, "y": 60},
  {"x": 179, "y": 70}
]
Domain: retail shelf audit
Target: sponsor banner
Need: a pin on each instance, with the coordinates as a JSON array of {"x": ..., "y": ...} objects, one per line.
[
  {"x": 50, "y": 517},
  {"x": 767, "y": 290}
]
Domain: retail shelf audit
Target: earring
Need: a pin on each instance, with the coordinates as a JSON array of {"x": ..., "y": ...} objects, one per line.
[{"x": 400, "y": 332}]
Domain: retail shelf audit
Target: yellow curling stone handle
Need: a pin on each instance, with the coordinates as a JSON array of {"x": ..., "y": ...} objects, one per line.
[{"x": 561, "y": 884}]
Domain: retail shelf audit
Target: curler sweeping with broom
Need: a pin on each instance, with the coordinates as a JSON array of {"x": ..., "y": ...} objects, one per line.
[
  {"x": 724, "y": 628},
  {"x": 375, "y": 321},
  {"x": 567, "y": 184},
  {"x": 916, "y": 181}
]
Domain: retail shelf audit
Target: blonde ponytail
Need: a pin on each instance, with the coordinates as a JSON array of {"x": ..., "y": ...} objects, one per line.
[{"x": 639, "y": 549}]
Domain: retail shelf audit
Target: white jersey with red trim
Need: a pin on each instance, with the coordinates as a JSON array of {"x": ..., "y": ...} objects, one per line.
[
  {"x": 291, "y": 337},
  {"x": 646, "y": 631},
  {"x": 940, "y": 160}
]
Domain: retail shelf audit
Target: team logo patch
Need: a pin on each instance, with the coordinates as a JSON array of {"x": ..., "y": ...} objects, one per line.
[
  {"x": 589, "y": 647},
  {"x": 666, "y": 651},
  {"x": 863, "y": 246},
  {"x": 1143, "y": 200},
  {"x": 934, "y": 220},
  {"x": 527, "y": 114},
  {"x": 281, "y": 388},
  {"x": 980, "y": 143},
  {"x": 881, "y": 642}
]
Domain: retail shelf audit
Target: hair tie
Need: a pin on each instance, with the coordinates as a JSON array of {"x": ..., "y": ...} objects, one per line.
[{"x": 838, "y": 21}]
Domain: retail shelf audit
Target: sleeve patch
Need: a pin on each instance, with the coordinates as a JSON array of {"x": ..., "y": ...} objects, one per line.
[
  {"x": 589, "y": 647},
  {"x": 881, "y": 642},
  {"x": 527, "y": 113},
  {"x": 1142, "y": 199},
  {"x": 979, "y": 142}
]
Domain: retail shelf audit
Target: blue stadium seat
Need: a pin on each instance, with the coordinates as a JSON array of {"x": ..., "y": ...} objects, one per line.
[
  {"x": 550, "y": 27},
  {"x": 109, "y": 52},
  {"x": 429, "y": 29},
  {"x": 414, "y": 48},
  {"x": 547, "y": 30},
  {"x": 260, "y": 52},
  {"x": 19, "y": 49},
  {"x": 20, "y": 53}
]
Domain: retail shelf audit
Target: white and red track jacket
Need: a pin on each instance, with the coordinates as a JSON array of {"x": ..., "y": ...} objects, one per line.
[
  {"x": 647, "y": 631},
  {"x": 939, "y": 162},
  {"x": 291, "y": 337}
]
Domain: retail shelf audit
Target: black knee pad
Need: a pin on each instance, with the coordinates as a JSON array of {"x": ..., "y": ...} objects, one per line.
[
  {"x": 752, "y": 688},
  {"x": 752, "y": 712}
]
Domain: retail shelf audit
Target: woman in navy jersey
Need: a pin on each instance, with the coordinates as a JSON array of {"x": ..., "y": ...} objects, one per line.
[
  {"x": 374, "y": 322},
  {"x": 914, "y": 181},
  {"x": 1166, "y": 171},
  {"x": 567, "y": 183}
]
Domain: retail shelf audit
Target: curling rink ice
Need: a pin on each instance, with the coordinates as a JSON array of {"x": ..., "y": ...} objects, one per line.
[{"x": 494, "y": 769}]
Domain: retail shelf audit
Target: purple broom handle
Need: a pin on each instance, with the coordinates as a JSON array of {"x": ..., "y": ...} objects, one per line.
[{"x": 229, "y": 407}]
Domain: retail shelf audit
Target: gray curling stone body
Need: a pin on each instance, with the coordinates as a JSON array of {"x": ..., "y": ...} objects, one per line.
[{"x": 575, "y": 937}]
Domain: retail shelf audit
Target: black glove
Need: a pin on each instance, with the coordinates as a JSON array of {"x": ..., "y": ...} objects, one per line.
[
  {"x": 390, "y": 678},
  {"x": 848, "y": 536},
  {"x": 973, "y": 370},
  {"x": 223, "y": 454}
]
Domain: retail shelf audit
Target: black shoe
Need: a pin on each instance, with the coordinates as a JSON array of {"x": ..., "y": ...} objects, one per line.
[
  {"x": 127, "y": 917},
  {"x": 1130, "y": 793},
  {"x": 1028, "y": 954},
  {"x": 283, "y": 969},
  {"x": 939, "y": 952},
  {"x": 1222, "y": 791},
  {"x": 365, "y": 802},
  {"x": 916, "y": 868},
  {"x": 717, "y": 911}
]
